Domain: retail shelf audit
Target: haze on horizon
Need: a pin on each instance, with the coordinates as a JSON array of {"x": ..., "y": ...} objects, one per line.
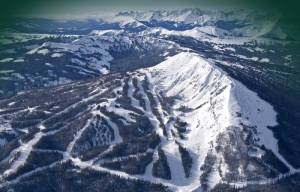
[{"x": 93, "y": 7}]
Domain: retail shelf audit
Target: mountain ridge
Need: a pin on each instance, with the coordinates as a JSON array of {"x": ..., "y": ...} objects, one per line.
[{"x": 121, "y": 101}]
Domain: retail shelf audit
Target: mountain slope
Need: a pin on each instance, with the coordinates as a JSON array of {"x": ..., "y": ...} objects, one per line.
[
  {"x": 212, "y": 104},
  {"x": 56, "y": 59},
  {"x": 183, "y": 125}
]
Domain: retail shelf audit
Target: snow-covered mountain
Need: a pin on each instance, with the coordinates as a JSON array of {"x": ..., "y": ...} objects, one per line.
[
  {"x": 182, "y": 100},
  {"x": 232, "y": 23},
  {"x": 87, "y": 47},
  {"x": 62, "y": 59},
  {"x": 184, "y": 124}
]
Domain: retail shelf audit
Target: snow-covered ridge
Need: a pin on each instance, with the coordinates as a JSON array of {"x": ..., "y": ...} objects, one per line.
[
  {"x": 239, "y": 23},
  {"x": 185, "y": 101},
  {"x": 206, "y": 33},
  {"x": 214, "y": 99}
]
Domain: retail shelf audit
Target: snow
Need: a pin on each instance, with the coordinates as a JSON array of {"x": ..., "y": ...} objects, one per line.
[
  {"x": 92, "y": 45},
  {"x": 43, "y": 51},
  {"x": 260, "y": 114},
  {"x": 6, "y": 71},
  {"x": 32, "y": 51},
  {"x": 258, "y": 49},
  {"x": 103, "y": 70},
  {"x": 19, "y": 60},
  {"x": 183, "y": 76},
  {"x": 193, "y": 80},
  {"x": 175, "y": 163},
  {"x": 264, "y": 60},
  {"x": 256, "y": 152},
  {"x": 106, "y": 32},
  {"x": 134, "y": 101},
  {"x": 245, "y": 57},
  {"x": 126, "y": 114},
  {"x": 6, "y": 60},
  {"x": 25, "y": 148},
  {"x": 212, "y": 96},
  {"x": 39, "y": 50},
  {"x": 288, "y": 57},
  {"x": 117, "y": 137},
  {"x": 58, "y": 81},
  {"x": 230, "y": 49},
  {"x": 213, "y": 99},
  {"x": 200, "y": 35},
  {"x": 31, "y": 109},
  {"x": 168, "y": 145},
  {"x": 49, "y": 64},
  {"x": 55, "y": 55},
  {"x": 125, "y": 21},
  {"x": 214, "y": 178},
  {"x": 76, "y": 138},
  {"x": 24, "y": 152},
  {"x": 190, "y": 16},
  {"x": 165, "y": 54},
  {"x": 17, "y": 75},
  {"x": 213, "y": 30},
  {"x": 11, "y": 103}
]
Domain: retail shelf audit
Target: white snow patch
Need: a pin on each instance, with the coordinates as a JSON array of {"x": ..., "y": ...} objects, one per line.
[
  {"x": 6, "y": 60},
  {"x": 288, "y": 57},
  {"x": 6, "y": 71},
  {"x": 49, "y": 64},
  {"x": 19, "y": 60},
  {"x": 55, "y": 55},
  {"x": 43, "y": 51},
  {"x": 264, "y": 60}
]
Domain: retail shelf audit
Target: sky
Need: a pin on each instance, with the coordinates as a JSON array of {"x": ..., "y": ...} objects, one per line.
[
  {"x": 10, "y": 8},
  {"x": 96, "y": 7},
  {"x": 14, "y": 8}
]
